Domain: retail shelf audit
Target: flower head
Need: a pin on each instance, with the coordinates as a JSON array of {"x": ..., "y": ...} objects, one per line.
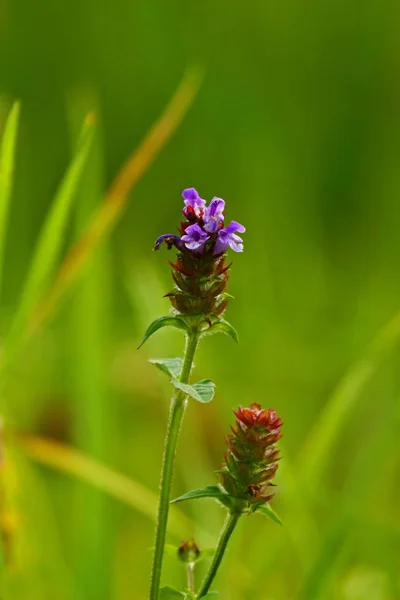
[
  {"x": 255, "y": 416},
  {"x": 200, "y": 272},
  {"x": 214, "y": 215},
  {"x": 227, "y": 238},
  {"x": 194, "y": 205},
  {"x": 251, "y": 459}
]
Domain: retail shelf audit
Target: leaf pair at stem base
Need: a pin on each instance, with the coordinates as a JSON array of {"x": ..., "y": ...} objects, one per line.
[{"x": 201, "y": 324}]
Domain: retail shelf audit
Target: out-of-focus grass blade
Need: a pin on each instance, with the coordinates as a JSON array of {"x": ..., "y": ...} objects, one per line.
[
  {"x": 331, "y": 559},
  {"x": 126, "y": 490},
  {"x": 111, "y": 209},
  {"x": 7, "y": 161},
  {"x": 326, "y": 430},
  {"x": 30, "y": 535},
  {"x": 89, "y": 326},
  {"x": 51, "y": 238}
]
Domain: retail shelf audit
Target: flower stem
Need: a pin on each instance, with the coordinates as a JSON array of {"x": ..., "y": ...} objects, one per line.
[
  {"x": 227, "y": 530},
  {"x": 177, "y": 410},
  {"x": 190, "y": 577}
]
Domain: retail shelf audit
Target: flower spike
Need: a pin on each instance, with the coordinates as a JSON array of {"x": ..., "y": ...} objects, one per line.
[
  {"x": 200, "y": 272},
  {"x": 251, "y": 460}
]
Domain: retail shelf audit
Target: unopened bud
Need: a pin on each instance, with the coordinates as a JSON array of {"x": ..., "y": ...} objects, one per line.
[
  {"x": 252, "y": 458},
  {"x": 188, "y": 552}
]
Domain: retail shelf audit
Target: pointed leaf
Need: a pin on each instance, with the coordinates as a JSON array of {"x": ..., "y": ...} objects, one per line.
[
  {"x": 169, "y": 593},
  {"x": 202, "y": 391},
  {"x": 205, "y": 553},
  {"x": 210, "y": 491},
  {"x": 223, "y": 326},
  {"x": 266, "y": 510},
  {"x": 169, "y": 549},
  {"x": 171, "y": 366},
  {"x": 49, "y": 245},
  {"x": 7, "y": 161},
  {"x": 167, "y": 321}
]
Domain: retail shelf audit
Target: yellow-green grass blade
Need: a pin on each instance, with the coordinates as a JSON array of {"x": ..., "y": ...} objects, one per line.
[
  {"x": 31, "y": 539},
  {"x": 344, "y": 400},
  {"x": 70, "y": 461},
  {"x": 7, "y": 165},
  {"x": 51, "y": 239},
  {"x": 116, "y": 199},
  {"x": 92, "y": 401}
]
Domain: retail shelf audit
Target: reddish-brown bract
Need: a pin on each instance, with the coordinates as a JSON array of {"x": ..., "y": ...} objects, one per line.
[
  {"x": 251, "y": 459},
  {"x": 200, "y": 282}
]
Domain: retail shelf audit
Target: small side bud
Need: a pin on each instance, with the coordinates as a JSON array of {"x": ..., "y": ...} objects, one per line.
[{"x": 188, "y": 552}]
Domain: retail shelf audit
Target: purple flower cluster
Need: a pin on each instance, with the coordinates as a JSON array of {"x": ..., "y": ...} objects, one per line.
[{"x": 205, "y": 231}]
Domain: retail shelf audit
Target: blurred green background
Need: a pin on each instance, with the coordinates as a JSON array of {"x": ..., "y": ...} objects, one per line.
[{"x": 297, "y": 127}]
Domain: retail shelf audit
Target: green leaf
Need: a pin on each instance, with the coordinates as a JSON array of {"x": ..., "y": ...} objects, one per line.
[
  {"x": 51, "y": 238},
  {"x": 266, "y": 510},
  {"x": 7, "y": 161},
  {"x": 169, "y": 593},
  {"x": 202, "y": 391},
  {"x": 223, "y": 326},
  {"x": 206, "y": 553},
  {"x": 167, "y": 321},
  {"x": 171, "y": 366},
  {"x": 210, "y": 491}
]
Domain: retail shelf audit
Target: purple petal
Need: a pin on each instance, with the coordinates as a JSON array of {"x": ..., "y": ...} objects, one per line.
[
  {"x": 192, "y": 198},
  {"x": 217, "y": 206},
  {"x": 211, "y": 224},
  {"x": 220, "y": 246},
  {"x": 194, "y": 238},
  {"x": 235, "y": 242},
  {"x": 170, "y": 239},
  {"x": 214, "y": 215},
  {"x": 190, "y": 194},
  {"x": 193, "y": 245},
  {"x": 234, "y": 226}
]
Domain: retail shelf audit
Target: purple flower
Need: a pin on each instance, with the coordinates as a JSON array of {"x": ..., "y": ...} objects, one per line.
[
  {"x": 194, "y": 205},
  {"x": 194, "y": 238},
  {"x": 170, "y": 239},
  {"x": 214, "y": 215},
  {"x": 226, "y": 237}
]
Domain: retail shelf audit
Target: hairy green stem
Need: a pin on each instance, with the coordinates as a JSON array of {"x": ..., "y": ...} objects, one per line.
[
  {"x": 177, "y": 410},
  {"x": 226, "y": 532}
]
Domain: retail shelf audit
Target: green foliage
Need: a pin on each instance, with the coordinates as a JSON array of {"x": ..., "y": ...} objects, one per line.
[
  {"x": 7, "y": 166},
  {"x": 202, "y": 391},
  {"x": 265, "y": 509},
  {"x": 50, "y": 242},
  {"x": 169, "y": 593},
  {"x": 308, "y": 162},
  {"x": 205, "y": 553},
  {"x": 171, "y": 366},
  {"x": 210, "y": 491},
  {"x": 167, "y": 321},
  {"x": 222, "y": 326}
]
